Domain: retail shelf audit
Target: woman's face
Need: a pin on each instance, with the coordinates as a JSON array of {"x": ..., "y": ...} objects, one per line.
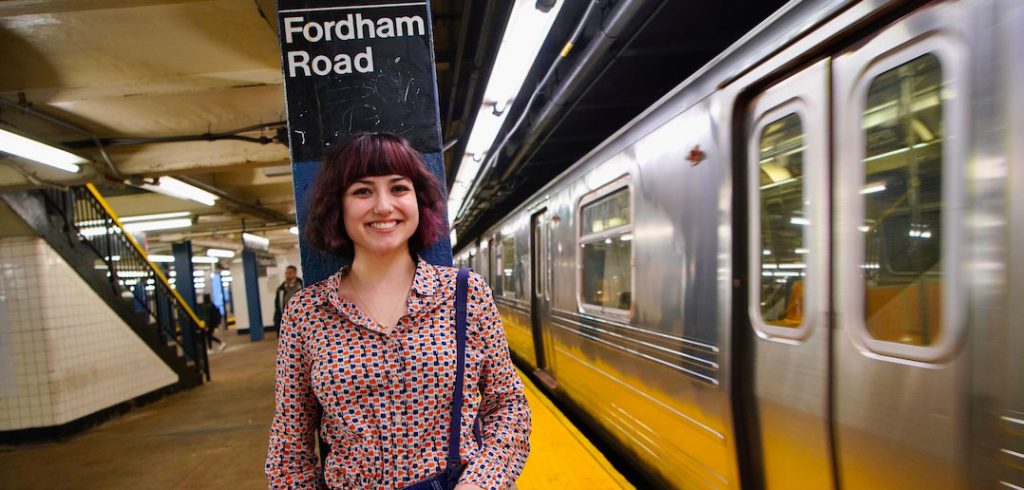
[{"x": 381, "y": 213}]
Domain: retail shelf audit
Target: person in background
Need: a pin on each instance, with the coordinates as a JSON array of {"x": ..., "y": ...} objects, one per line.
[
  {"x": 368, "y": 355},
  {"x": 291, "y": 285},
  {"x": 211, "y": 317}
]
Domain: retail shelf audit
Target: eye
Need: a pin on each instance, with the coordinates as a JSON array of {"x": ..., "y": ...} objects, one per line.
[
  {"x": 361, "y": 191},
  {"x": 400, "y": 188}
]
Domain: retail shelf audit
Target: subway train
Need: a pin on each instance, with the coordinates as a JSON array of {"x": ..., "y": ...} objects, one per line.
[{"x": 796, "y": 269}]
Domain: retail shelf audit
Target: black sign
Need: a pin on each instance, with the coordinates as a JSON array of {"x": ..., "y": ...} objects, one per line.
[{"x": 357, "y": 67}]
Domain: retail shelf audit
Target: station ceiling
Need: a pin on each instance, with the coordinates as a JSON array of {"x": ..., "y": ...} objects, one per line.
[{"x": 193, "y": 89}]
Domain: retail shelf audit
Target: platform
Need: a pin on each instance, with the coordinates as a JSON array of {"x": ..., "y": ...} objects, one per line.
[{"x": 215, "y": 436}]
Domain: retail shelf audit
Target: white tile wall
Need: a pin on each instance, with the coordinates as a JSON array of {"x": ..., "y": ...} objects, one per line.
[{"x": 70, "y": 354}]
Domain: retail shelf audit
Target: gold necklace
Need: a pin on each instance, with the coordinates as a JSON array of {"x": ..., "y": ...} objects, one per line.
[{"x": 366, "y": 305}]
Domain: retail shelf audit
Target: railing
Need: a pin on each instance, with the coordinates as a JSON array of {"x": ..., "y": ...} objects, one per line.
[{"x": 131, "y": 275}]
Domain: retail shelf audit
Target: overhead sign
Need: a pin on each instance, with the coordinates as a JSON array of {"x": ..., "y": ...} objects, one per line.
[{"x": 351, "y": 67}]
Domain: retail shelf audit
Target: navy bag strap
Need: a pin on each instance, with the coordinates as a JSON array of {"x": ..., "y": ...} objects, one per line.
[{"x": 461, "y": 293}]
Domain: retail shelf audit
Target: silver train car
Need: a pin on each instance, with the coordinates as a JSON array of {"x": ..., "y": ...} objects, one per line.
[{"x": 796, "y": 269}]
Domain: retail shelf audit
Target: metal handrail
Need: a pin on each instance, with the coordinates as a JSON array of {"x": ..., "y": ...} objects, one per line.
[{"x": 91, "y": 221}]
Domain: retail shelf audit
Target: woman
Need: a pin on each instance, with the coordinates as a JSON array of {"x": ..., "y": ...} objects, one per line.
[{"x": 367, "y": 356}]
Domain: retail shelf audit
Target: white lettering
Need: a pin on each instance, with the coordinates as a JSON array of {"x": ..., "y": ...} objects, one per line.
[
  {"x": 342, "y": 64},
  {"x": 327, "y": 29},
  {"x": 385, "y": 28},
  {"x": 349, "y": 33},
  {"x": 289, "y": 28},
  {"x": 321, "y": 65},
  {"x": 296, "y": 60},
  {"x": 409, "y": 23},
  {"x": 364, "y": 61},
  {"x": 368, "y": 24},
  {"x": 307, "y": 32}
]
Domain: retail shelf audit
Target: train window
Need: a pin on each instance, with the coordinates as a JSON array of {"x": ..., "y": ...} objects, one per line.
[
  {"x": 783, "y": 222},
  {"x": 903, "y": 205},
  {"x": 508, "y": 266},
  {"x": 606, "y": 258}
]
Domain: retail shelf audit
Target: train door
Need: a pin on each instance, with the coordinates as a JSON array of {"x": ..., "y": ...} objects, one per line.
[
  {"x": 901, "y": 387},
  {"x": 787, "y": 168},
  {"x": 540, "y": 277}
]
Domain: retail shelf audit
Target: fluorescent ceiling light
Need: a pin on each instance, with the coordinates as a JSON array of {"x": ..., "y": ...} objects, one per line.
[
  {"x": 255, "y": 241},
  {"x": 169, "y": 186},
  {"x": 167, "y": 224},
  {"x": 153, "y": 217},
  {"x": 162, "y": 259},
  {"x": 525, "y": 32},
  {"x": 36, "y": 151},
  {"x": 198, "y": 259},
  {"x": 219, "y": 252}
]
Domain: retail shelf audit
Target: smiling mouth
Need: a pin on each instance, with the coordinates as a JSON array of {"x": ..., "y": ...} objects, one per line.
[{"x": 383, "y": 225}]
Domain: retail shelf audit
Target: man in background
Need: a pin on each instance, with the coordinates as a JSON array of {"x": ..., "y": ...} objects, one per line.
[{"x": 291, "y": 285}]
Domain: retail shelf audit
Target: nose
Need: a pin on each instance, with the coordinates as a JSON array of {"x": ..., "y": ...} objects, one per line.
[{"x": 383, "y": 204}]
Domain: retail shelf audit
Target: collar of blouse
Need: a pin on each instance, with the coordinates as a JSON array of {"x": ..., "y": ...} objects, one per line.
[{"x": 431, "y": 287}]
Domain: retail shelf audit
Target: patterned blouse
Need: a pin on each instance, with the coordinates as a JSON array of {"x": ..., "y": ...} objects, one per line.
[{"x": 385, "y": 399}]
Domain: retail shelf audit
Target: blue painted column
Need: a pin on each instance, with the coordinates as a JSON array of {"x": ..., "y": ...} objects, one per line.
[
  {"x": 187, "y": 289},
  {"x": 352, "y": 66},
  {"x": 252, "y": 295}
]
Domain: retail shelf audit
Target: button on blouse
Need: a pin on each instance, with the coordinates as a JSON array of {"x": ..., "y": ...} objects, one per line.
[{"x": 382, "y": 401}]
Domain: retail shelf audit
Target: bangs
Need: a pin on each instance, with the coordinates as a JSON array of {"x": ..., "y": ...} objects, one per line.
[{"x": 377, "y": 157}]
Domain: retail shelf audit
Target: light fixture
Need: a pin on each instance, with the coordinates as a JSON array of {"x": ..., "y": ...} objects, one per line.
[
  {"x": 39, "y": 152},
  {"x": 872, "y": 188},
  {"x": 154, "y": 217},
  {"x": 169, "y": 186},
  {"x": 166, "y": 224},
  {"x": 198, "y": 259},
  {"x": 294, "y": 230},
  {"x": 219, "y": 252},
  {"x": 255, "y": 241},
  {"x": 525, "y": 32}
]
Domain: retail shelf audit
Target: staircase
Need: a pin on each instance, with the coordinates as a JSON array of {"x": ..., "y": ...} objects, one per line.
[{"x": 85, "y": 232}]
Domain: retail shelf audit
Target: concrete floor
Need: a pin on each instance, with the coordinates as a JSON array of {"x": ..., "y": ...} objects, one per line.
[{"x": 215, "y": 436}]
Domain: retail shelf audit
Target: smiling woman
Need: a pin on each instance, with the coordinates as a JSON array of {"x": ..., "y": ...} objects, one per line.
[{"x": 402, "y": 366}]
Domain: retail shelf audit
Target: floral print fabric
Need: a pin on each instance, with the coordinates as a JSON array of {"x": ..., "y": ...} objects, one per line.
[{"x": 383, "y": 401}]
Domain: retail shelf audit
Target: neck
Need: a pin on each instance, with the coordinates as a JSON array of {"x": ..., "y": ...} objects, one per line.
[{"x": 385, "y": 269}]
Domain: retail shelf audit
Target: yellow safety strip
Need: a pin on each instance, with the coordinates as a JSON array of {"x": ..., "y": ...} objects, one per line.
[
  {"x": 181, "y": 301},
  {"x": 601, "y": 460}
]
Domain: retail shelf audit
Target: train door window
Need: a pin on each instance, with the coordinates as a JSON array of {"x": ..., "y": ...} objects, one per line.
[
  {"x": 508, "y": 267},
  {"x": 783, "y": 219},
  {"x": 606, "y": 250},
  {"x": 903, "y": 207}
]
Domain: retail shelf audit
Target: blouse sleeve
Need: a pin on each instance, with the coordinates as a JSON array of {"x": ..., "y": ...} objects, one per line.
[
  {"x": 504, "y": 413},
  {"x": 291, "y": 459}
]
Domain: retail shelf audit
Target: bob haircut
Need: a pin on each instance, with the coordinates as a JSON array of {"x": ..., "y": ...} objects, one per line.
[{"x": 370, "y": 155}]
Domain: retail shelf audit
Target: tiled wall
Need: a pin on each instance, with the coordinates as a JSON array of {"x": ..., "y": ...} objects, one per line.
[{"x": 63, "y": 353}]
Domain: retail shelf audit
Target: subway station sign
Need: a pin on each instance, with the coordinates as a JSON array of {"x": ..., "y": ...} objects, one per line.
[
  {"x": 351, "y": 67},
  {"x": 357, "y": 67}
]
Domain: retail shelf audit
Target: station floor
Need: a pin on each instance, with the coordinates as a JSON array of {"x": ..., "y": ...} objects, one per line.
[{"x": 215, "y": 436}]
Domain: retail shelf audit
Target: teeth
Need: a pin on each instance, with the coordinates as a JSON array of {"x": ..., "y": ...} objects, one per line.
[{"x": 384, "y": 225}]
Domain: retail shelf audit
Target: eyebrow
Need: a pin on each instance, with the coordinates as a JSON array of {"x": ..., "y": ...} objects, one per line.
[{"x": 392, "y": 181}]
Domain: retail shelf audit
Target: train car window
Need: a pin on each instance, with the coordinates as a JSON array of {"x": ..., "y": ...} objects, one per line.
[
  {"x": 903, "y": 205},
  {"x": 783, "y": 222},
  {"x": 606, "y": 258},
  {"x": 508, "y": 267}
]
